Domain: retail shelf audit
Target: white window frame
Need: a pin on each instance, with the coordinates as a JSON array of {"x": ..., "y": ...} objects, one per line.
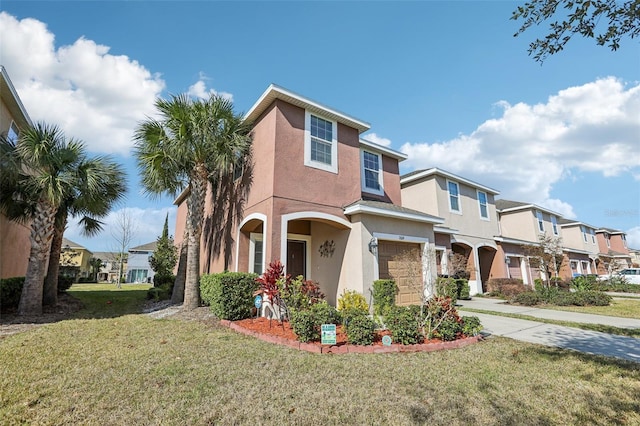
[
  {"x": 365, "y": 188},
  {"x": 486, "y": 205},
  {"x": 583, "y": 229},
  {"x": 13, "y": 127},
  {"x": 333, "y": 167},
  {"x": 554, "y": 225},
  {"x": 253, "y": 237},
  {"x": 593, "y": 235},
  {"x": 540, "y": 219},
  {"x": 624, "y": 240},
  {"x": 451, "y": 209},
  {"x": 607, "y": 239}
]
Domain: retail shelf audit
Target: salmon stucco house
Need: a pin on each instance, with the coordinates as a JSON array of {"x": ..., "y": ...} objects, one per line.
[{"x": 324, "y": 201}]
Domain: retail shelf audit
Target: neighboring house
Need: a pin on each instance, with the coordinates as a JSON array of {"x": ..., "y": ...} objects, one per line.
[
  {"x": 110, "y": 265},
  {"x": 635, "y": 258},
  {"x": 470, "y": 221},
  {"x": 522, "y": 224},
  {"x": 580, "y": 248},
  {"x": 613, "y": 251},
  {"x": 15, "y": 244},
  {"x": 138, "y": 268},
  {"x": 324, "y": 201},
  {"x": 76, "y": 256}
]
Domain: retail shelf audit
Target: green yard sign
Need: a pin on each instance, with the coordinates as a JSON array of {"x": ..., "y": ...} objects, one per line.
[{"x": 328, "y": 336}]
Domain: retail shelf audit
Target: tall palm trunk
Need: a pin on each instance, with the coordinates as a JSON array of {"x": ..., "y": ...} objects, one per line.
[
  {"x": 50, "y": 292},
  {"x": 41, "y": 233},
  {"x": 195, "y": 216},
  {"x": 181, "y": 274}
]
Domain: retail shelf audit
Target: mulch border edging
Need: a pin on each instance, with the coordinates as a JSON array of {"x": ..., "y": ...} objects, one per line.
[{"x": 344, "y": 349}]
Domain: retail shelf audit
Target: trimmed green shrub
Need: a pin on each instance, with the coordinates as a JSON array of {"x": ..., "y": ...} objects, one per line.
[
  {"x": 591, "y": 298},
  {"x": 325, "y": 314},
  {"x": 158, "y": 293},
  {"x": 298, "y": 293},
  {"x": 351, "y": 299},
  {"x": 160, "y": 280},
  {"x": 304, "y": 324},
  {"x": 10, "y": 290},
  {"x": 471, "y": 326},
  {"x": 404, "y": 324},
  {"x": 528, "y": 298},
  {"x": 360, "y": 330},
  {"x": 64, "y": 283},
  {"x": 506, "y": 287},
  {"x": 463, "y": 289},
  {"x": 346, "y": 315},
  {"x": 447, "y": 287},
  {"x": 384, "y": 295},
  {"x": 229, "y": 294},
  {"x": 448, "y": 329},
  {"x": 617, "y": 284}
]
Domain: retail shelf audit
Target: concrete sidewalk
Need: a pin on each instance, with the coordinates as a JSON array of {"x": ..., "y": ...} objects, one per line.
[
  {"x": 593, "y": 342},
  {"x": 498, "y": 305}
]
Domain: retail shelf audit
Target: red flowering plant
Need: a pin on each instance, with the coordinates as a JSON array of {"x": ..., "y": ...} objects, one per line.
[{"x": 269, "y": 286}]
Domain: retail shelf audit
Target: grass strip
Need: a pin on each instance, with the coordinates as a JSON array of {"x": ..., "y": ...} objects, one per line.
[{"x": 629, "y": 332}]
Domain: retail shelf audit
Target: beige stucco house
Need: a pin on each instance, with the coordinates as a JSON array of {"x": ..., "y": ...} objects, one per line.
[
  {"x": 580, "y": 248},
  {"x": 324, "y": 201},
  {"x": 470, "y": 221},
  {"x": 14, "y": 237},
  {"x": 522, "y": 224}
]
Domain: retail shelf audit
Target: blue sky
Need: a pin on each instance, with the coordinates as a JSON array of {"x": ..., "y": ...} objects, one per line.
[{"x": 444, "y": 82}]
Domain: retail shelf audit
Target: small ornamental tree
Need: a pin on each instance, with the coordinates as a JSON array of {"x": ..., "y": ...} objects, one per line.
[
  {"x": 165, "y": 255},
  {"x": 270, "y": 287}
]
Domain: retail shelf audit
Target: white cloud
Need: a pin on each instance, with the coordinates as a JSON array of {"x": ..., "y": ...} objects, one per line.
[
  {"x": 199, "y": 90},
  {"x": 591, "y": 128},
  {"x": 147, "y": 227},
  {"x": 633, "y": 237},
  {"x": 372, "y": 137},
  {"x": 91, "y": 94}
]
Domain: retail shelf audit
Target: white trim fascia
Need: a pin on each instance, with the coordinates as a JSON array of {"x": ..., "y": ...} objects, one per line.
[
  {"x": 444, "y": 173},
  {"x": 180, "y": 198},
  {"x": 514, "y": 241},
  {"x": 443, "y": 230},
  {"x": 486, "y": 244},
  {"x": 384, "y": 150},
  {"x": 274, "y": 92},
  {"x": 374, "y": 211},
  {"x": 531, "y": 207},
  {"x": 14, "y": 94}
]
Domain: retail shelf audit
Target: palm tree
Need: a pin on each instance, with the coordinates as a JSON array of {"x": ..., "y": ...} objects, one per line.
[
  {"x": 192, "y": 143},
  {"x": 44, "y": 176},
  {"x": 100, "y": 183}
]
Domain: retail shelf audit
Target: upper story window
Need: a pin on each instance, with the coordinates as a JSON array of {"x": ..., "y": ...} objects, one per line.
[
  {"x": 607, "y": 239},
  {"x": 540, "y": 221},
  {"x": 482, "y": 201},
  {"x": 454, "y": 197},
  {"x": 624, "y": 240},
  {"x": 554, "y": 224},
  {"x": 584, "y": 233},
  {"x": 372, "y": 172},
  {"x": 593, "y": 235},
  {"x": 320, "y": 143},
  {"x": 13, "y": 133}
]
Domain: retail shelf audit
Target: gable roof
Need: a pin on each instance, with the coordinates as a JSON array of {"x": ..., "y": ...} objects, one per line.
[
  {"x": 145, "y": 247},
  {"x": 610, "y": 231},
  {"x": 379, "y": 208},
  {"x": 573, "y": 222},
  {"x": 400, "y": 156},
  {"x": 71, "y": 244},
  {"x": 504, "y": 206},
  {"x": 274, "y": 92},
  {"x": 423, "y": 173}
]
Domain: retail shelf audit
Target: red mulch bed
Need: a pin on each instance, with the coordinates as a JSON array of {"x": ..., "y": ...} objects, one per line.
[{"x": 283, "y": 330}]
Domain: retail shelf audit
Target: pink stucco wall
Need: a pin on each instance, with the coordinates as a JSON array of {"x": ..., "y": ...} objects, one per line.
[{"x": 14, "y": 248}]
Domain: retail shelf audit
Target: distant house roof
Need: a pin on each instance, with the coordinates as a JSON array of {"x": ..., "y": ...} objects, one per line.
[
  {"x": 274, "y": 92},
  {"x": 609, "y": 231},
  {"x": 572, "y": 222},
  {"x": 400, "y": 156},
  {"x": 379, "y": 208},
  {"x": 509, "y": 205},
  {"x": 145, "y": 247},
  {"x": 73, "y": 245},
  {"x": 420, "y": 174},
  {"x": 105, "y": 255}
]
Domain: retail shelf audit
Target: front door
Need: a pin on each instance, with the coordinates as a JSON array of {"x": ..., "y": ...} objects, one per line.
[{"x": 296, "y": 258}]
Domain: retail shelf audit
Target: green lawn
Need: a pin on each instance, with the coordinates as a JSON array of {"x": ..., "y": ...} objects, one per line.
[
  {"x": 107, "y": 301},
  {"x": 132, "y": 369},
  {"x": 626, "y": 308}
]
